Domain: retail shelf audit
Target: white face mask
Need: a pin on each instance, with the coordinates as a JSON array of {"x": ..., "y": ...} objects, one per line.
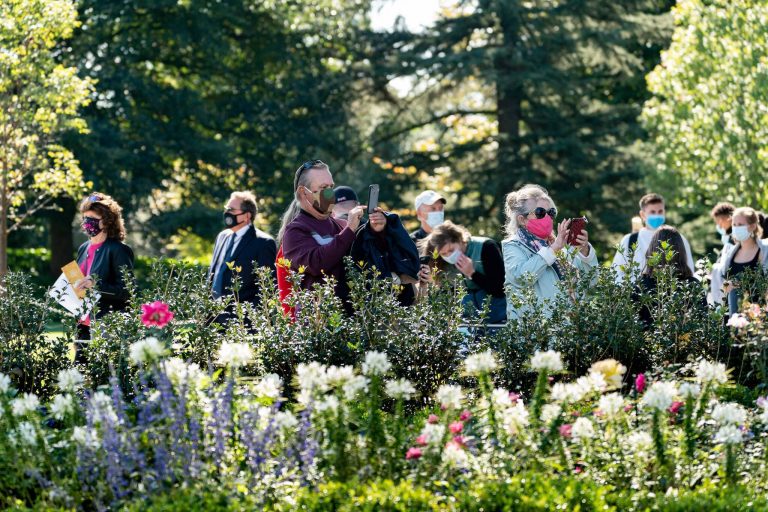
[
  {"x": 434, "y": 219},
  {"x": 726, "y": 238},
  {"x": 740, "y": 233},
  {"x": 452, "y": 258}
]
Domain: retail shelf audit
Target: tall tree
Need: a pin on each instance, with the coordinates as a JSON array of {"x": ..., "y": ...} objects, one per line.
[
  {"x": 39, "y": 101},
  {"x": 708, "y": 114},
  {"x": 509, "y": 92}
]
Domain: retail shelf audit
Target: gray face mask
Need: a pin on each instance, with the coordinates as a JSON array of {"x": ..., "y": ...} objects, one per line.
[
  {"x": 434, "y": 219},
  {"x": 452, "y": 258}
]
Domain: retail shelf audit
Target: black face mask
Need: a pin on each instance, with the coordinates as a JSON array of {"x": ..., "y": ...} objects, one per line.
[
  {"x": 91, "y": 226},
  {"x": 230, "y": 219}
]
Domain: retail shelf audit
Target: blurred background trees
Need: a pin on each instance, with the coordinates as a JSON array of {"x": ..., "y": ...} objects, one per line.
[{"x": 195, "y": 98}]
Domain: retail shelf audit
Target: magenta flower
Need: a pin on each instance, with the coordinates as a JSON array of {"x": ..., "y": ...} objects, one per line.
[
  {"x": 433, "y": 418},
  {"x": 413, "y": 453},
  {"x": 456, "y": 427},
  {"x": 640, "y": 382},
  {"x": 465, "y": 415},
  {"x": 421, "y": 440},
  {"x": 156, "y": 314},
  {"x": 459, "y": 440},
  {"x": 566, "y": 430},
  {"x": 514, "y": 397},
  {"x": 675, "y": 407}
]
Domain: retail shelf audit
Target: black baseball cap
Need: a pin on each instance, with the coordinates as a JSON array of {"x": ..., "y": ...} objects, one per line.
[{"x": 344, "y": 193}]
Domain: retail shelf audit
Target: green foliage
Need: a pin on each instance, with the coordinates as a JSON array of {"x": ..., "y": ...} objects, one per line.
[
  {"x": 24, "y": 312},
  {"x": 39, "y": 101},
  {"x": 707, "y": 118}
]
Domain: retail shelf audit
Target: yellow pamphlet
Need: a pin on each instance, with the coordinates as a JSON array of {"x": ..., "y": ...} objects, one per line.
[{"x": 73, "y": 273}]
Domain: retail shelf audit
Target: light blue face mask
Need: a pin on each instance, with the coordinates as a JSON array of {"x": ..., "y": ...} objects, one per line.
[
  {"x": 654, "y": 221},
  {"x": 740, "y": 233},
  {"x": 434, "y": 219},
  {"x": 452, "y": 258}
]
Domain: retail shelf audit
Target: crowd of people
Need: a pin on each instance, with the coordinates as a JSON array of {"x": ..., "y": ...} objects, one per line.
[{"x": 323, "y": 224}]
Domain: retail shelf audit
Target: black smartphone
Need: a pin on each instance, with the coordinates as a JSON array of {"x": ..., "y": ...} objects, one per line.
[
  {"x": 425, "y": 260},
  {"x": 373, "y": 198}
]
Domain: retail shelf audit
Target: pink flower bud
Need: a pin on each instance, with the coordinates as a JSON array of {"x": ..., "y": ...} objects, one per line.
[
  {"x": 456, "y": 427},
  {"x": 465, "y": 415},
  {"x": 514, "y": 396},
  {"x": 565, "y": 430},
  {"x": 675, "y": 407},
  {"x": 459, "y": 440},
  {"x": 421, "y": 440},
  {"x": 412, "y": 453},
  {"x": 640, "y": 382},
  {"x": 433, "y": 418}
]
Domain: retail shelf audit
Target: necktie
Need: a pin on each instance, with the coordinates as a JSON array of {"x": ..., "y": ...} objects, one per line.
[{"x": 218, "y": 278}]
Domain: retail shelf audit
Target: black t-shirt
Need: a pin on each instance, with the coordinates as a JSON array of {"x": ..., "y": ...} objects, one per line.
[
  {"x": 737, "y": 268},
  {"x": 492, "y": 278}
]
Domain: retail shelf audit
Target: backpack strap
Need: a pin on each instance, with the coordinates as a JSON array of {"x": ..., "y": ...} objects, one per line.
[{"x": 632, "y": 241}]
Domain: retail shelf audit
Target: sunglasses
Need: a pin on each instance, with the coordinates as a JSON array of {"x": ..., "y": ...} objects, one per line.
[
  {"x": 309, "y": 164},
  {"x": 541, "y": 212}
]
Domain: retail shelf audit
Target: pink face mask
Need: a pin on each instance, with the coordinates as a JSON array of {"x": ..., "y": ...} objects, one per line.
[{"x": 541, "y": 228}]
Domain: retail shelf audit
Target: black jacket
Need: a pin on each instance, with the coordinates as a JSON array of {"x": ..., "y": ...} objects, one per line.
[
  {"x": 256, "y": 249},
  {"x": 392, "y": 250},
  {"x": 107, "y": 265}
]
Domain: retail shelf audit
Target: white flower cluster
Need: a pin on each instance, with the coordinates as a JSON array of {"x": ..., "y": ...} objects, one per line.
[
  {"x": 400, "y": 388},
  {"x": 729, "y": 414},
  {"x": 62, "y": 405},
  {"x": 729, "y": 434},
  {"x": 312, "y": 377},
  {"x": 354, "y": 386},
  {"x": 25, "y": 434},
  {"x": 455, "y": 456},
  {"x": 270, "y": 386},
  {"x": 183, "y": 374},
  {"x": 70, "y": 381},
  {"x": 582, "y": 429},
  {"x": 480, "y": 363},
  {"x": 611, "y": 405},
  {"x": 549, "y": 361},
  {"x": 101, "y": 408},
  {"x": 711, "y": 373},
  {"x": 512, "y": 414},
  {"x": 433, "y": 433},
  {"x": 449, "y": 396},
  {"x": 147, "y": 350},
  {"x": 376, "y": 363},
  {"x": 235, "y": 355},
  {"x": 24, "y": 404},
  {"x": 639, "y": 442},
  {"x": 660, "y": 395},
  {"x": 5, "y": 383},
  {"x": 550, "y": 412},
  {"x": 338, "y": 375},
  {"x": 573, "y": 392},
  {"x": 86, "y": 437},
  {"x": 689, "y": 390}
]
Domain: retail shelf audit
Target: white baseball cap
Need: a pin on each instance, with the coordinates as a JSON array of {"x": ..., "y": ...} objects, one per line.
[{"x": 428, "y": 197}]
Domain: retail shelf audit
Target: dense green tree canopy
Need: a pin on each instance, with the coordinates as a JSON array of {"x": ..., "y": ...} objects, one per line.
[{"x": 709, "y": 114}]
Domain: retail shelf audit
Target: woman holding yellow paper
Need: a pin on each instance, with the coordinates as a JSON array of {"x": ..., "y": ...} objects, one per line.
[{"x": 104, "y": 258}]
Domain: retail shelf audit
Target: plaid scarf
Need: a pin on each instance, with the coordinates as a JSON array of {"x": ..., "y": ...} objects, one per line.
[{"x": 535, "y": 243}]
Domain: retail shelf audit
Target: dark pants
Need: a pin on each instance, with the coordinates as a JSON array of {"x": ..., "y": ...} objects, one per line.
[{"x": 82, "y": 339}]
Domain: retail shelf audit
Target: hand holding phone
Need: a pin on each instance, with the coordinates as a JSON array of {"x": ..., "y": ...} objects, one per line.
[
  {"x": 574, "y": 230},
  {"x": 373, "y": 198}
]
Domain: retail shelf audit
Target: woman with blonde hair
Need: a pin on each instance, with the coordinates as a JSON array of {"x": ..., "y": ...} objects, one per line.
[
  {"x": 749, "y": 252},
  {"x": 531, "y": 248}
]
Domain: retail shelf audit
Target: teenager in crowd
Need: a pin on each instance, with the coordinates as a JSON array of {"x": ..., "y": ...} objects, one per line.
[
  {"x": 531, "y": 247},
  {"x": 634, "y": 246}
]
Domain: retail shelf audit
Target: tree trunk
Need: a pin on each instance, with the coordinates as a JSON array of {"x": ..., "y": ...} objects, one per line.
[
  {"x": 60, "y": 240},
  {"x": 509, "y": 96}
]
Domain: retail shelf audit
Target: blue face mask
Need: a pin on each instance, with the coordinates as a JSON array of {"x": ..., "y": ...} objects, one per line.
[{"x": 654, "y": 221}]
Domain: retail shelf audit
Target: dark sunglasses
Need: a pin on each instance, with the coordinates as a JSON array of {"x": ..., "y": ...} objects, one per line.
[
  {"x": 541, "y": 212},
  {"x": 309, "y": 164}
]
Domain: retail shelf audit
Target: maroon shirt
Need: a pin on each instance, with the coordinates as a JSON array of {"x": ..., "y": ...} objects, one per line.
[{"x": 320, "y": 246}]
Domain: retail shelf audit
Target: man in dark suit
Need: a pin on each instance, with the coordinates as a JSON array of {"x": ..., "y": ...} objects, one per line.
[{"x": 243, "y": 246}]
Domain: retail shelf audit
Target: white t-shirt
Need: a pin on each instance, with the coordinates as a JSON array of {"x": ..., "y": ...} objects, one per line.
[{"x": 643, "y": 241}]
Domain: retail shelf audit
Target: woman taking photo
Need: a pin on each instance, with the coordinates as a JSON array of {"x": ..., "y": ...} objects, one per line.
[
  {"x": 104, "y": 257},
  {"x": 479, "y": 260},
  {"x": 749, "y": 252},
  {"x": 531, "y": 249}
]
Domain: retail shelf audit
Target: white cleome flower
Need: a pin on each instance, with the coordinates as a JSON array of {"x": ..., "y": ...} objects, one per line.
[
  {"x": 480, "y": 363},
  {"x": 639, "y": 442},
  {"x": 235, "y": 355},
  {"x": 183, "y": 374},
  {"x": 24, "y": 404},
  {"x": 593, "y": 382},
  {"x": 376, "y": 363},
  {"x": 5, "y": 383},
  {"x": 711, "y": 373},
  {"x": 501, "y": 398},
  {"x": 660, "y": 395},
  {"x": 729, "y": 434},
  {"x": 26, "y": 433},
  {"x": 284, "y": 420},
  {"x": 515, "y": 419},
  {"x": 401, "y": 388},
  {"x": 101, "y": 408},
  {"x": 582, "y": 429},
  {"x": 729, "y": 414},
  {"x": 146, "y": 351},
  {"x": 433, "y": 433},
  {"x": 611, "y": 404},
  {"x": 61, "y": 406},
  {"x": 550, "y": 412},
  {"x": 269, "y": 386},
  {"x": 549, "y": 361},
  {"x": 449, "y": 396},
  {"x": 86, "y": 437},
  {"x": 353, "y": 387},
  {"x": 570, "y": 392},
  {"x": 329, "y": 403},
  {"x": 70, "y": 380},
  {"x": 338, "y": 375},
  {"x": 455, "y": 456},
  {"x": 689, "y": 390},
  {"x": 312, "y": 376}
]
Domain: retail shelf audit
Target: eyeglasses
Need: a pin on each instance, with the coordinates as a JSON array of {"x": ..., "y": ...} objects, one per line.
[
  {"x": 541, "y": 212},
  {"x": 309, "y": 164}
]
